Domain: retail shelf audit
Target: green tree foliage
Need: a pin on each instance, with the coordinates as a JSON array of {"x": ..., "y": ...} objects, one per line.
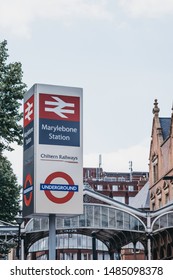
[
  {"x": 9, "y": 191},
  {"x": 12, "y": 90}
]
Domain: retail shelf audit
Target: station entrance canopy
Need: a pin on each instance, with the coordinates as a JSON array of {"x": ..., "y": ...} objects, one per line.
[{"x": 114, "y": 223}]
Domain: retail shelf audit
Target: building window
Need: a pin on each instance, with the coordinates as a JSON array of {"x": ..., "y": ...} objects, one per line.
[
  {"x": 166, "y": 198},
  {"x": 155, "y": 168},
  {"x": 155, "y": 172},
  {"x": 121, "y": 179},
  {"x": 99, "y": 187},
  {"x": 114, "y": 188},
  {"x": 86, "y": 256},
  {"x": 153, "y": 206},
  {"x": 130, "y": 188},
  {"x": 160, "y": 203}
]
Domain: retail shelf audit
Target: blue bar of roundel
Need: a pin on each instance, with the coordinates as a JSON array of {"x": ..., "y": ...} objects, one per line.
[{"x": 59, "y": 187}]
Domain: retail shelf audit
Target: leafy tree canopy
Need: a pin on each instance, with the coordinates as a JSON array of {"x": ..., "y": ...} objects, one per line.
[
  {"x": 12, "y": 90},
  {"x": 9, "y": 191}
]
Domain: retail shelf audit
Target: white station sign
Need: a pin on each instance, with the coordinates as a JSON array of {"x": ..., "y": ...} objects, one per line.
[{"x": 53, "y": 150}]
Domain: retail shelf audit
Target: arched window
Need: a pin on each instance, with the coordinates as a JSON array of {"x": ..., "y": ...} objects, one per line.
[{"x": 155, "y": 168}]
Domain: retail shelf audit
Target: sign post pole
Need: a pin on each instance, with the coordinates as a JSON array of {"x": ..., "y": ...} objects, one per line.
[{"x": 52, "y": 237}]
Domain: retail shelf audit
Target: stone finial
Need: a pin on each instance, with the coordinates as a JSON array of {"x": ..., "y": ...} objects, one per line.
[{"x": 156, "y": 108}]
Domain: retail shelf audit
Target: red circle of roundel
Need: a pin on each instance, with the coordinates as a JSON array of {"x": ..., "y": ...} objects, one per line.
[
  {"x": 28, "y": 200},
  {"x": 53, "y": 198}
]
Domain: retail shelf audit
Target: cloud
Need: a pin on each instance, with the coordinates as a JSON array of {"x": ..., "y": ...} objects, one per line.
[
  {"x": 147, "y": 8},
  {"x": 16, "y": 16},
  {"x": 119, "y": 160}
]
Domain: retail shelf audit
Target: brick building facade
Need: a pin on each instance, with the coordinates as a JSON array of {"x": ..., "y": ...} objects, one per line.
[
  {"x": 161, "y": 160},
  {"x": 121, "y": 186},
  {"x": 161, "y": 182}
]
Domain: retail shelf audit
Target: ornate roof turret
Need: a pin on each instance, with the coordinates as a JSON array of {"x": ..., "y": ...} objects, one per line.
[{"x": 156, "y": 108}]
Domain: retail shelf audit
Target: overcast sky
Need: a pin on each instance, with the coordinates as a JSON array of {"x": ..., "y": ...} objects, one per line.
[{"x": 119, "y": 51}]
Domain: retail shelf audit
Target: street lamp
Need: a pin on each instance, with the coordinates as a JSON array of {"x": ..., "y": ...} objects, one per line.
[{"x": 19, "y": 220}]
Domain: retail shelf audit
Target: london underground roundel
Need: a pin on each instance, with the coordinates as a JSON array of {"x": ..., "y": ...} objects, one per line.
[
  {"x": 49, "y": 194},
  {"x": 28, "y": 190}
]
